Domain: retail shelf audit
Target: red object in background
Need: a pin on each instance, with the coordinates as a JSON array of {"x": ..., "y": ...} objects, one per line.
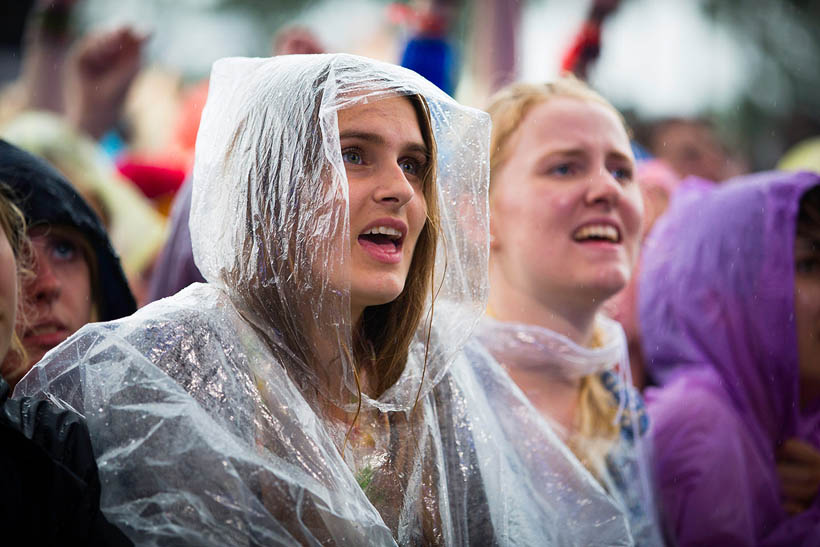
[
  {"x": 424, "y": 23},
  {"x": 585, "y": 48},
  {"x": 152, "y": 179},
  {"x": 190, "y": 113}
]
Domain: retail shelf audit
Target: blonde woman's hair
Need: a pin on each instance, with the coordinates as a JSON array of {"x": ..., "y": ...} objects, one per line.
[
  {"x": 594, "y": 430},
  {"x": 13, "y": 224}
]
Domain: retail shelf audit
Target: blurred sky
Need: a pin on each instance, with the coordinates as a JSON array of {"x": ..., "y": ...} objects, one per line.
[{"x": 659, "y": 57}]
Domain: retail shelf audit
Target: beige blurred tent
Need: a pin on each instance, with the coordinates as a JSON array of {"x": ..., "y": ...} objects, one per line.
[{"x": 804, "y": 155}]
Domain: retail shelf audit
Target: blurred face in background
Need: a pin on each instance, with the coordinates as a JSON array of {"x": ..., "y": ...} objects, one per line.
[
  {"x": 565, "y": 211},
  {"x": 57, "y": 301},
  {"x": 807, "y": 315},
  {"x": 692, "y": 148},
  {"x": 385, "y": 159}
]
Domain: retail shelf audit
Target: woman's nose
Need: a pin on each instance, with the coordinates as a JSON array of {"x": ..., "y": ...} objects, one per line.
[
  {"x": 394, "y": 187},
  {"x": 604, "y": 188},
  {"x": 46, "y": 285}
]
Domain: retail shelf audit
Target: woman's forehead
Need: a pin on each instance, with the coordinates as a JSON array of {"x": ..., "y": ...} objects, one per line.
[
  {"x": 389, "y": 119},
  {"x": 45, "y": 230},
  {"x": 570, "y": 122}
]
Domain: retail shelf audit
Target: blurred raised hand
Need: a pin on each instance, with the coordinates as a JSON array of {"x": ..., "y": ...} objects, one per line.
[
  {"x": 294, "y": 40},
  {"x": 98, "y": 73},
  {"x": 798, "y": 467},
  {"x": 45, "y": 45}
]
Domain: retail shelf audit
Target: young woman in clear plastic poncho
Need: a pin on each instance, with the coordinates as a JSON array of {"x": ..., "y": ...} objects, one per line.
[
  {"x": 253, "y": 410},
  {"x": 566, "y": 216},
  {"x": 729, "y": 304}
]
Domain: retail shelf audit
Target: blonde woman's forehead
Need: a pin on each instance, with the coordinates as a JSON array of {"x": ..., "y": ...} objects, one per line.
[{"x": 571, "y": 122}]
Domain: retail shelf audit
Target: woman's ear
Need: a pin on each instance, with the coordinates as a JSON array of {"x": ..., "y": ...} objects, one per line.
[
  {"x": 495, "y": 244},
  {"x": 473, "y": 218},
  {"x": 493, "y": 241}
]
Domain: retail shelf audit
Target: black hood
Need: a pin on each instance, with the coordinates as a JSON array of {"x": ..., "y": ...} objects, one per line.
[{"x": 46, "y": 197}]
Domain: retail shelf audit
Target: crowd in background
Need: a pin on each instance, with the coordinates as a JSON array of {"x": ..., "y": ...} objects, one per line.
[{"x": 673, "y": 379}]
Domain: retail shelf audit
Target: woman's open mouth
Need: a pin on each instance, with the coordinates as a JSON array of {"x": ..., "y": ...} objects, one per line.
[
  {"x": 45, "y": 335},
  {"x": 597, "y": 233},
  {"x": 383, "y": 243}
]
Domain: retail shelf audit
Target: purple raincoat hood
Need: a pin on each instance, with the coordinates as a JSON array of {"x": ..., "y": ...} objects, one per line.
[
  {"x": 717, "y": 292},
  {"x": 716, "y": 305}
]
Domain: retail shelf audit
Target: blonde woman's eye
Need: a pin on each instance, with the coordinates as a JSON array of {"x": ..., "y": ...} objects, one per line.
[
  {"x": 562, "y": 169},
  {"x": 622, "y": 174},
  {"x": 352, "y": 156}
]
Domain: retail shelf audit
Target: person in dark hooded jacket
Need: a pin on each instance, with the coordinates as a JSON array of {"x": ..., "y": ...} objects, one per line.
[
  {"x": 50, "y": 483},
  {"x": 77, "y": 277}
]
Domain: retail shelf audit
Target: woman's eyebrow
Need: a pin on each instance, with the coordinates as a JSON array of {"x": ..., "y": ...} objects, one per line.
[
  {"x": 420, "y": 148},
  {"x": 363, "y": 135},
  {"x": 620, "y": 156},
  {"x": 570, "y": 152},
  {"x": 375, "y": 138}
]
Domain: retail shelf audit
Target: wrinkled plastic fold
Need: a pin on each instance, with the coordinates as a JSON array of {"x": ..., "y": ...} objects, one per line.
[{"x": 626, "y": 472}]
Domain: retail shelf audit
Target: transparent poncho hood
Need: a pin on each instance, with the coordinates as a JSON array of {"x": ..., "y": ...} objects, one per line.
[{"x": 269, "y": 215}]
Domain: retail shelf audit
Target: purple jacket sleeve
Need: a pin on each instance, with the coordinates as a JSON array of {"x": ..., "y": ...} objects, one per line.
[{"x": 713, "y": 483}]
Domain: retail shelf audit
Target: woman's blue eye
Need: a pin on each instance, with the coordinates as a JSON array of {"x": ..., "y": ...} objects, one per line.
[
  {"x": 352, "y": 156},
  {"x": 562, "y": 169},
  {"x": 622, "y": 174},
  {"x": 64, "y": 249}
]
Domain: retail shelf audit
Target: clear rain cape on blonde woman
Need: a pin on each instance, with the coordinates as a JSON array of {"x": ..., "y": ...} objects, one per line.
[
  {"x": 204, "y": 408},
  {"x": 626, "y": 469}
]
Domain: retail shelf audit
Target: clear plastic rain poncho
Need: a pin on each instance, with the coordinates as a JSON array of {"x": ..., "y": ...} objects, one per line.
[
  {"x": 207, "y": 409},
  {"x": 625, "y": 471}
]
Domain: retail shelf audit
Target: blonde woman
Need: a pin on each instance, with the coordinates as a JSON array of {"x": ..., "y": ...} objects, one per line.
[{"x": 565, "y": 218}]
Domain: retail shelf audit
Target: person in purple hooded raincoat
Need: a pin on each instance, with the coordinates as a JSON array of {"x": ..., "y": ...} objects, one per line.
[{"x": 730, "y": 311}]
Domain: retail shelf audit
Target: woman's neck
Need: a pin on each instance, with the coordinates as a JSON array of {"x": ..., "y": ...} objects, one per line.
[{"x": 564, "y": 316}]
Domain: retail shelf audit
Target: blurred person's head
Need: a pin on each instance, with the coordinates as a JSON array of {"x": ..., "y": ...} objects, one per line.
[
  {"x": 807, "y": 294},
  {"x": 76, "y": 274},
  {"x": 565, "y": 210},
  {"x": 657, "y": 182},
  {"x": 730, "y": 284},
  {"x": 691, "y": 147},
  {"x": 296, "y": 40}
]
